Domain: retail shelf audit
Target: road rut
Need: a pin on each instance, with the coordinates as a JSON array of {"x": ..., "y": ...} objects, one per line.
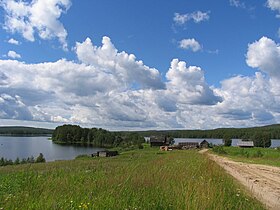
[{"x": 263, "y": 181}]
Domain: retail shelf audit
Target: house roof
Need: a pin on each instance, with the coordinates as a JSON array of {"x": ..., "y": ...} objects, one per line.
[
  {"x": 245, "y": 143},
  {"x": 157, "y": 139},
  {"x": 204, "y": 142}
]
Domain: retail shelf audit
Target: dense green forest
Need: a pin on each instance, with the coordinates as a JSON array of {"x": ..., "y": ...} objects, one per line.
[
  {"x": 272, "y": 130},
  {"x": 24, "y": 131},
  {"x": 74, "y": 134},
  {"x": 236, "y": 133}
]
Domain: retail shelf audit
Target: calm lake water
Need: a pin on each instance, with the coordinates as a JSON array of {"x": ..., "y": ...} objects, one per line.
[
  {"x": 274, "y": 142},
  {"x": 23, "y": 147}
]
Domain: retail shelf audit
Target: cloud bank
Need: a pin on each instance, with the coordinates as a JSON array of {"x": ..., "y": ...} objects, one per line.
[
  {"x": 112, "y": 89},
  {"x": 106, "y": 88}
]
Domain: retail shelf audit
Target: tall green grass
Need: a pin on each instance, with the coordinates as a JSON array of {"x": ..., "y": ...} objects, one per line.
[
  {"x": 140, "y": 179},
  {"x": 267, "y": 156}
]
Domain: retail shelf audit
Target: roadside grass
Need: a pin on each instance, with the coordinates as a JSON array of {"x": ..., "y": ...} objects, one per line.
[
  {"x": 139, "y": 179},
  {"x": 266, "y": 156}
]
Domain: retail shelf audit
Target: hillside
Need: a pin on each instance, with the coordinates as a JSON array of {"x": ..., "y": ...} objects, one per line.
[
  {"x": 272, "y": 130},
  {"x": 139, "y": 179},
  {"x": 24, "y": 131}
]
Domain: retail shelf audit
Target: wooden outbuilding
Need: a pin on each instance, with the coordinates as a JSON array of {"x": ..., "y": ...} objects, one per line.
[
  {"x": 107, "y": 153},
  {"x": 245, "y": 144},
  {"x": 157, "y": 141},
  {"x": 204, "y": 144}
]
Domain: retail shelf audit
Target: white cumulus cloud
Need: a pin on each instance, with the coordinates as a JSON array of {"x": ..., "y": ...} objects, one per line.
[
  {"x": 237, "y": 3},
  {"x": 191, "y": 44},
  {"x": 188, "y": 83},
  {"x": 13, "y": 41},
  {"x": 273, "y": 5},
  {"x": 197, "y": 17},
  {"x": 264, "y": 54},
  {"x": 39, "y": 16},
  {"x": 13, "y": 54},
  {"x": 123, "y": 66}
]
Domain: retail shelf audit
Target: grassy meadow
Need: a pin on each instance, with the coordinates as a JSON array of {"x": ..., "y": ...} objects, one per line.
[
  {"x": 266, "y": 156},
  {"x": 139, "y": 179}
]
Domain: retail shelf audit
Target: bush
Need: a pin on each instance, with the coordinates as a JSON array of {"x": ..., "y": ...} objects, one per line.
[
  {"x": 262, "y": 140},
  {"x": 40, "y": 158},
  {"x": 140, "y": 146},
  {"x": 227, "y": 141}
]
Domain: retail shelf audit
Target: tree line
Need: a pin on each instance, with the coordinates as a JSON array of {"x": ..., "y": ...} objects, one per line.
[
  {"x": 24, "y": 131},
  {"x": 39, "y": 159},
  {"x": 260, "y": 139},
  {"x": 98, "y": 137},
  {"x": 235, "y": 133}
]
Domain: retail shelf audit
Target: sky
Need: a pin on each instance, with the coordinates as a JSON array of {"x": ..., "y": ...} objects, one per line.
[{"x": 140, "y": 65}]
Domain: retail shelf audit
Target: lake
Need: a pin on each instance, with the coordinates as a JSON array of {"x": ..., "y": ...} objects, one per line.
[
  {"x": 274, "y": 142},
  {"x": 23, "y": 147}
]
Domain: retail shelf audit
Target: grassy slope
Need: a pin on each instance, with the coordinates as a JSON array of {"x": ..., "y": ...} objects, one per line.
[
  {"x": 248, "y": 155},
  {"x": 140, "y": 179}
]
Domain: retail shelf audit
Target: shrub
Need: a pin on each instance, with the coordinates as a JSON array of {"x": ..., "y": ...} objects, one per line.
[
  {"x": 40, "y": 158},
  {"x": 227, "y": 141}
]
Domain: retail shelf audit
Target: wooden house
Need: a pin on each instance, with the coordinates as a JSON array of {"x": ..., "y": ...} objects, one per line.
[
  {"x": 204, "y": 144},
  {"x": 157, "y": 141},
  {"x": 245, "y": 144},
  {"x": 107, "y": 153}
]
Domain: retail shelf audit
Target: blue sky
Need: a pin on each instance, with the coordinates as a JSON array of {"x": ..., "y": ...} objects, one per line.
[{"x": 204, "y": 64}]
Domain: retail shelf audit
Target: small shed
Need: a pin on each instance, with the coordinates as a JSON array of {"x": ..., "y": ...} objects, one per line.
[
  {"x": 107, "y": 153},
  {"x": 245, "y": 144},
  {"x": 204, "y": 144}
]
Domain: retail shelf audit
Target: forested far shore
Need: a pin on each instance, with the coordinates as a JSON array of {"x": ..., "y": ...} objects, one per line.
[
  {"x": 24, "y": 131},
  {"x": 98, "y": 137},
  {"x": 235, "y": 133}
]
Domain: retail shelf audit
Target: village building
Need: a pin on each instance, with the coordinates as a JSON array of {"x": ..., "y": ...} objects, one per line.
[
  {"x": 157, "y": 141},
  {"x": 107, "y": 153},
  {"x": 245, "y": 144},
  {"x": 188, "y": 145},
  {"x": 193, "y": 145},
  {"x": 204, "y": 144}
]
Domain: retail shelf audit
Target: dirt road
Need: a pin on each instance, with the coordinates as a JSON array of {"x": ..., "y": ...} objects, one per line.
[{"x": 263, "y": 181}]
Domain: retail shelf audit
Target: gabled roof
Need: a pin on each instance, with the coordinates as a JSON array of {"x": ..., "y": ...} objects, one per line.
[
  {"x": 157, "y": 139},
  {"x": 245, "y": 143},
  {"x": 204, "y": 141}
]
